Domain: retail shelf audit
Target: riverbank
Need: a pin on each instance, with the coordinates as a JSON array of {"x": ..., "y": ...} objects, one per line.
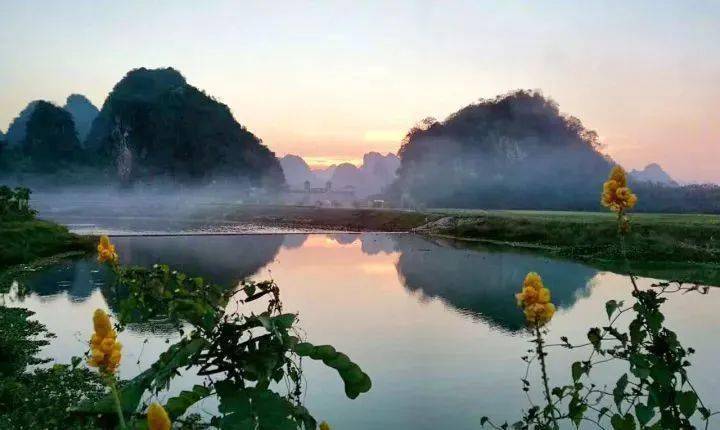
[
  {"x": 23, "y": 242},
  {"x": 308, "y": 217},
  {"x": 589, "y": 236},
  {"x": 583, "y": 236}
]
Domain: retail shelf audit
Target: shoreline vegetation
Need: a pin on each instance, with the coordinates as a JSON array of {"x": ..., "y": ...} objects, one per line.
[
  {"x": 586, "y": 236},
  {"x": 30, "y": 241},
  {"x": 657, "y": 244}
]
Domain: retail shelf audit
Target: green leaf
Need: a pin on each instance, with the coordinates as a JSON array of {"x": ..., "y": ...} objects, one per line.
[
  {"x": 655, "y": 320},
  {"x": 626, "y": 422},
  {"x": 130, "y": 394},
  {"x": 356, "y": 381},
  {"x": 687, "y": 402},
  {"x": 577, "y": 370},
  {"x": 610, "y": 307},
  {"x": 176, "y": 406},
  {"x": 254, "y": 408},
  {"x": 177, "y": 356},
  {"x": 233, "y": 400},
  {"x": 619, "y": 390},
  {"x": 644, "y": 413},
  {"x": 284, "y": 321},
  {"x": 576, "y": 409},
  {"x": 595, "y": 337}
]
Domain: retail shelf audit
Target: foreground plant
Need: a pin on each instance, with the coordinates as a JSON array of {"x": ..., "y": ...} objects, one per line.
[
  {"x": 618, "y": 197},
  {"x": 534, "y": 299},
  {"x": 243, "y": 357},
  {"x": 654, "y": 393},
  {"x": 105, "y": 354},
  {"x": 157, "y": 417}
]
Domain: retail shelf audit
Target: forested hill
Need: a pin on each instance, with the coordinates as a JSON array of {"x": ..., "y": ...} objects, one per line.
[
  {"x": 518, "y": 151},
  {"x": 172, "y": 129}
]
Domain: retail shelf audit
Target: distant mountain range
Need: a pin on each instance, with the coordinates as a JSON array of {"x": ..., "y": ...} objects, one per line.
[
  {"x": 81, "y": 109},
  {"x": 654, "y": 174},
  {"x": 375, "y": 174},
  {"x": 83, "y": 113},
  {"x": 152, "y": 126}
]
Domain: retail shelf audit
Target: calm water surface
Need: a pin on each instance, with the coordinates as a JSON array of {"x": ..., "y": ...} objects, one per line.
[{"x": 433, "y": 323}]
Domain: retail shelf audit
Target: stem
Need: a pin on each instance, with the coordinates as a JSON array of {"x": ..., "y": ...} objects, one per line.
[
  {"x": 116, "y": 398},
  {"x": 541, "y": 355}
]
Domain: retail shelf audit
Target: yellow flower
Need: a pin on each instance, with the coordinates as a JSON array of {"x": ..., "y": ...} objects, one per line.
[
  {"x": 105, "y": 350},
  {"x": 616, "y": 195},
  {"x": 533, "y": 280},
  {"x": 618, "y": 175},
  {"x": 157, "y": 418},
  {"x": 534, "y": 299},
  {"x": 324, "y": 426},
  {"x": 106, "y": 251},
  {"x": 539, "y": 313}
]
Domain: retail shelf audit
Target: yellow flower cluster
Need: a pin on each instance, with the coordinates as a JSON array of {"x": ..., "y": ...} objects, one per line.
[
  {"x": 106, "y": 251},
  {"x": 324, "y": 426},
  {"x": 157, "y": 418},
  {"x": 104, "y": 347},
  {"x": 616, "y": 195},
  {"x": 534, "y": 299}
]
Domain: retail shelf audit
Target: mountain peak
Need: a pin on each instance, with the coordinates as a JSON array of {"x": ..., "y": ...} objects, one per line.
[
  {"x": 653, "y": 173},
  {"x": 83, "y": 113}
]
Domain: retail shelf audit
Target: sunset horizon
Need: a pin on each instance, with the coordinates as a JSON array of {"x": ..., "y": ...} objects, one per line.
[
  {"x": 359, "y": 215},
  {"x": 334, "y": 86}
]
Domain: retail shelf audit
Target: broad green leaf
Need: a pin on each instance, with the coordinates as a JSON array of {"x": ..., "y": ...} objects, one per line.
[
  {"x": 577, "y": 370},
  {"x": 176, "y": 406},
  {"x": 626, "y": 422},
  {"x": 610, "y": 307},
  {"x": 233, "y": 399},
  {"x": 687, "y": 402},
  {"x": 130, "y": 394},
  {"x": 355, "y": 380},
  {"x": 619, "y": 390},
  {"x": 644, "y": 413}
]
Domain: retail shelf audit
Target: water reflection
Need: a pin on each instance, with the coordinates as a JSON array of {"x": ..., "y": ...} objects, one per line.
[
  {"x": 475, "y": 282},
  {"x": 482, "y": 283},
  {"x": 433, "y": 322}
]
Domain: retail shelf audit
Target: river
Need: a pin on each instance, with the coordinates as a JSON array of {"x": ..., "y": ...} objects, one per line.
[{"x": 433, "y": 322}]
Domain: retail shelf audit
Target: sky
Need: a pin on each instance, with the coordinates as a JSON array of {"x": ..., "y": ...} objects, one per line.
[{"x": 333, "y": 80}]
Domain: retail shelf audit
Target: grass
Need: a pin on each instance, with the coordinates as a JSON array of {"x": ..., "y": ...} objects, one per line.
[
  {"x": 308, "y": 217},
  {"x": 592, "y": 236},
  {"x": 26, "y": 241},
  {"x": 585, "y": 236}
]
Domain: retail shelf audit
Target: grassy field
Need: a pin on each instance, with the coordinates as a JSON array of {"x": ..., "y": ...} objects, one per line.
[
  {"x": 592, "y": 235},
  {"x": 308, "y": 217},
  {"x": 26, "y": 241},
  {"x": 586, "y": 236}
]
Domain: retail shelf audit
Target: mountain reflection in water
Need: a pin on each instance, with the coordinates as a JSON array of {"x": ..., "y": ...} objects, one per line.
[
  {"x": 475, "y": 282},
  {"x": 434, "y": 322}
]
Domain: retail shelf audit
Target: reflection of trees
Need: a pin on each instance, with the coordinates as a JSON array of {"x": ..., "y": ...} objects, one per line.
[
  {"x": 344, "y": 238},
  {"x": 373, "y": 244},
  {"x": 294, "y": 241},
  {"x": 223, "y": 260},
  {"x": 78, "y": 278},
  {"x": 483, "y": 282}
]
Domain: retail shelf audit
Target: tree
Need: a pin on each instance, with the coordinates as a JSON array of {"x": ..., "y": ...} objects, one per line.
[{"x": 51, "y": 139}]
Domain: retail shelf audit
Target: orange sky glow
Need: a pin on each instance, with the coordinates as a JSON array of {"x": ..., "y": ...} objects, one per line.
[{"x": 331, "y": 81}]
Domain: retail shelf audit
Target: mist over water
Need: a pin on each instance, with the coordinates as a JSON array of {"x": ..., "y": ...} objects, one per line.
[{"x": 149, "y": 209}]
